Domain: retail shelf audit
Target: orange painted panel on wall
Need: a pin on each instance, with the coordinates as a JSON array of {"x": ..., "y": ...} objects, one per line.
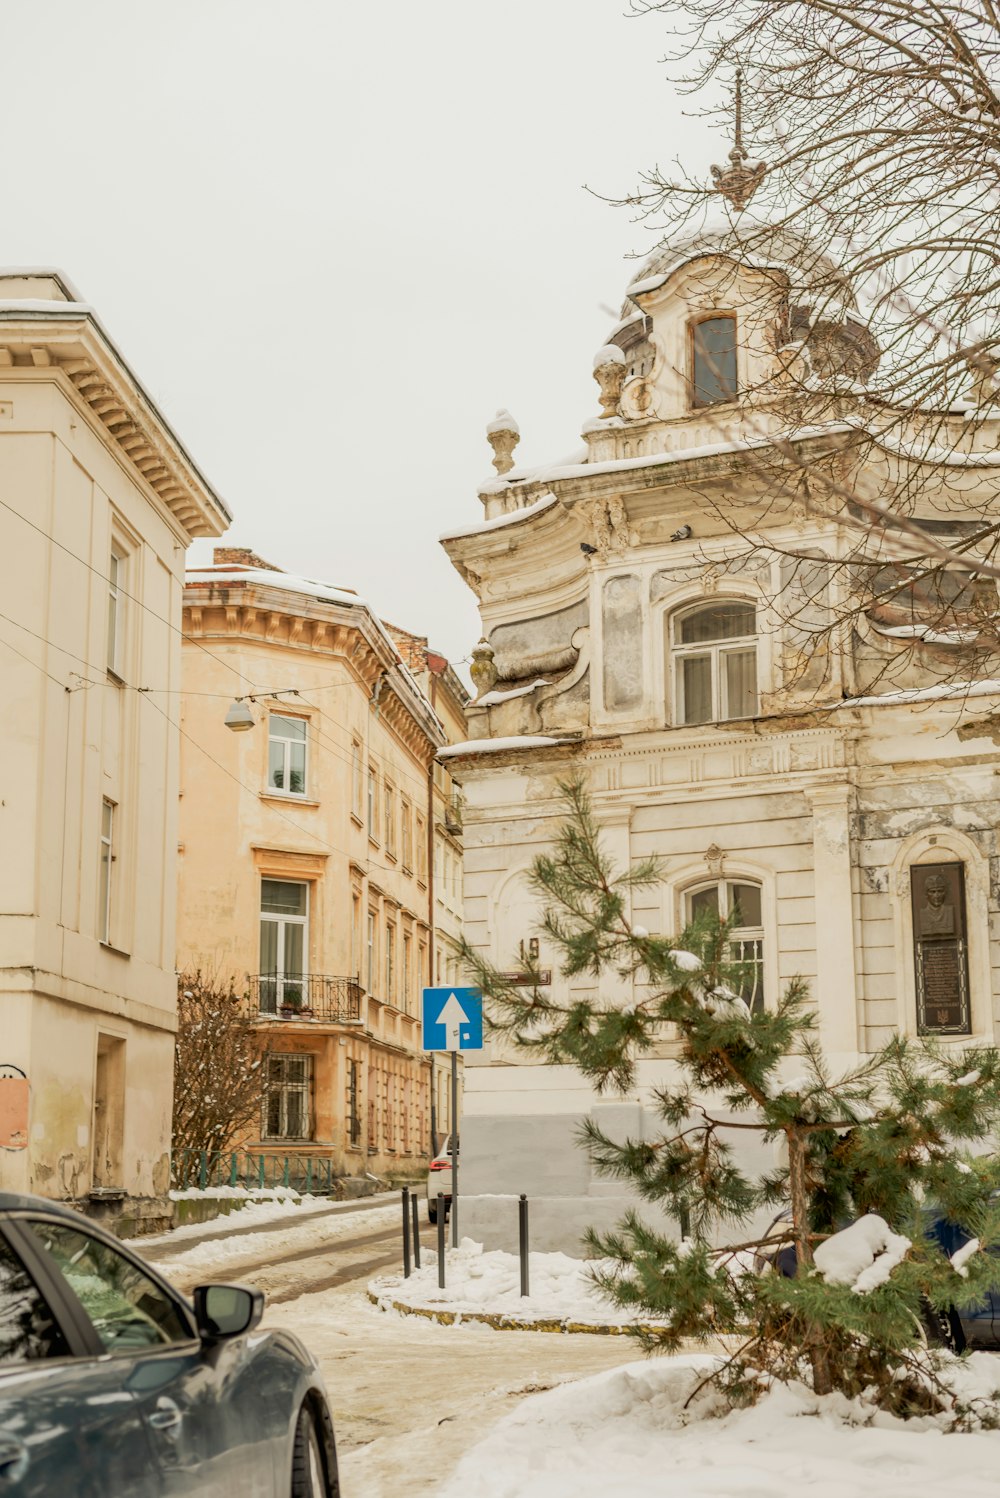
[{"x": 13, "y": 1113}]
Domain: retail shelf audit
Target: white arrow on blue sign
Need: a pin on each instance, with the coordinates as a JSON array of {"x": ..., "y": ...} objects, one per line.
[{"x": 453, "y": 1019}]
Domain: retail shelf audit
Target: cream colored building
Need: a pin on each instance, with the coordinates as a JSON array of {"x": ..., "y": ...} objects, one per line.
[
  {"x": 845, "y": 803},
  {"x": 98, "y": 501},
  {"x": 449, "y": 699},
  {"x": 306, "y": 855}
]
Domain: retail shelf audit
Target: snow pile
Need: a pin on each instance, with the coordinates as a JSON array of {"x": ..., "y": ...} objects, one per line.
[
  {"x": 500, "y": 746},
  {"x": 489, "y": 1284},
  {"x": 863, "y": 1255},
  {"x": 961, "y": 1257},
  {"x": 630, "y": 1431}
]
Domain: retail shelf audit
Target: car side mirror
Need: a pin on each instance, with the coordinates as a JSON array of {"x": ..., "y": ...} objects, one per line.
[{"x": 227, "y": 1310}]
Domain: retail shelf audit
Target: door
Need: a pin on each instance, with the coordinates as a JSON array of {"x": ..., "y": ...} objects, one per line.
[
  {"x": 284, "y": 944},
  {"x": 201, "y": 1409}
]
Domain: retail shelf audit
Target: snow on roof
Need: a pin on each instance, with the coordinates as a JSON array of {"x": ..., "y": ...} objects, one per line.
[
  {"x": 651, "y": 460},
  {"x": 21, "y": 304},
  {"x": 497, "y": 746},
  {"x": 544, "y": 503},
  {"x": 491, "y": 699},
  {"x": 987, "y": 688}
]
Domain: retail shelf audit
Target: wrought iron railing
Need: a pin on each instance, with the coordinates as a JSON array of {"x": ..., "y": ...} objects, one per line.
[
  {"x": 291, "y": 996},
  {"x": 252, "y": 1169}
]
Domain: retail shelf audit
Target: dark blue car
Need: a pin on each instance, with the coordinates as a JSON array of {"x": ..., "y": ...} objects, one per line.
[{"x": 112, "y": 1384}]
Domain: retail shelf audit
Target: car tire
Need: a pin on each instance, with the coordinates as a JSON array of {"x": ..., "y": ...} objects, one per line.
[
  {"x": 432, "y": 1211},
  {"x": 308, "y": 1467},
  {"x": 943, "y": 1328}
]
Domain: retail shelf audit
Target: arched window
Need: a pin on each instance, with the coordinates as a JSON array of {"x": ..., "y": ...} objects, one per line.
[
  {"x": 714, "y": 650},
  {"x": 742, "y": 901},
  {"x": 713, "y": 361}
]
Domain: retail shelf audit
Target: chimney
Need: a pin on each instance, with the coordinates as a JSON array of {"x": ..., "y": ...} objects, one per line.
[{"x": 240, "y": 556}]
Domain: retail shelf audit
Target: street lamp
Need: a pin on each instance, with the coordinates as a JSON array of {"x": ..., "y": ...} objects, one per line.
[{"x": 239, "y": 717}]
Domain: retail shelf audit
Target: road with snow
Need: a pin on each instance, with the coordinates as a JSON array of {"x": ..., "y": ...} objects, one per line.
[{"x": 408, "y": 1397}]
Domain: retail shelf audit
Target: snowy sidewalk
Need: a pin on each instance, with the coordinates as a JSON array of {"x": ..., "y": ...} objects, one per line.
[{"x": 486, "y": 1287}]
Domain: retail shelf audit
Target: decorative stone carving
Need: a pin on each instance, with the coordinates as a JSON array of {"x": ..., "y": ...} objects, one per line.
[
  {"x": 609, "y": 372},
  {"x": 639, "y": 399},
  {"x": 715, "y": 859},
  {"x": 710, "y": 580},
  {"x": 503, "y": 435},
  {"x": 483, "y": 669},
  {"x": 607, "y": 521}
]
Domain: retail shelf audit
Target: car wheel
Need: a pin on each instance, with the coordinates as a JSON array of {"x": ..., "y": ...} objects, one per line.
[
  {"x": 943, "y": 1328},
  {"x": 432, "y": 1211},
  {"x": 308, "y": 1471}
]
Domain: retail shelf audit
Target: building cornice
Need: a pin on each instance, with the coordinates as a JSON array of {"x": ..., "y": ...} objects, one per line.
[
  {"x": 42, "y": 339},
  {"x": 260, "y": 614}
]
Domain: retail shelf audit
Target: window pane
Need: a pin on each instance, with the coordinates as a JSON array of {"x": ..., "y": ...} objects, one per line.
[
  {"x": 718, "y": 621},
  {"x": 696, "y": 688},
  {"x": 269, "y": 946},
  {"x": 297, "y": 773},
  {"x": 27, "y": 1327},
  {"x": 750, "y": 987},
  {"x": 127, "y": 1309},
  {"x": 704, "y": 902},
  {"x": 294, "y": 947},
  {"x": 276, "y": 764},
  {"x": 289, "y": 728},
  {"x": 741, "y": 683},
  {"x": 744, "y": 899},
  {"x": 282, "y": 897},
  {"x": 714, "y": 360}
]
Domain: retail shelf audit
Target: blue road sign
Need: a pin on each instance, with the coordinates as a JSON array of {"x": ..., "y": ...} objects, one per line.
[{"x": 453, "y": 1019}]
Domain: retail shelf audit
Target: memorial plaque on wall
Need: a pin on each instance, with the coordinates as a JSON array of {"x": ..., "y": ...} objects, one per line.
[{"x": 940, "y": 948}]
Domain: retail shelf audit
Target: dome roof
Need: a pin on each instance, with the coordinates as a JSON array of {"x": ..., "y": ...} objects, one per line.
[{"x": 761, "y": 246}]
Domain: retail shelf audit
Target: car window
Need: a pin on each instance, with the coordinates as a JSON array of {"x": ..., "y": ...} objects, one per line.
[
  {"x": 27, "y": 1327},
  {"x": 127, "y": 1308}
]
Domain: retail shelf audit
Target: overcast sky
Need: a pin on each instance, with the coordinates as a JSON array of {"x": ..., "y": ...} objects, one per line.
[{"x": 333, "y": 238}]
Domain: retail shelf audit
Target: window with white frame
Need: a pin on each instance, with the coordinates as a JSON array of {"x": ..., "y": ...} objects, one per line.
[
  {"x": 356, "y": 779},
  {"x": 407, "y": 963},
  {"x": 421, "y": 850},
  {"x": 288, "y": 1097},
  {"x": 370, "y": 954},
  {"x": 105, "y": 881},
  {"x": 284, "y": 944},
  {"x": 406, "y": 824},
  {"x": 390, "y": 960},
  {"x": 713, "y": 647},
  {"x": 116, "y": 610},
  {"x": 373, "y": 803},
  {"x": 741, "y": 901},
  {"x": 389, "y": 797},
  {"x": 287, "y": 745}
]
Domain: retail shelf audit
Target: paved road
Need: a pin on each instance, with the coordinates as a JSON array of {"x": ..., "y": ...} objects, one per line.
[{"x": 408, "y": 1397}]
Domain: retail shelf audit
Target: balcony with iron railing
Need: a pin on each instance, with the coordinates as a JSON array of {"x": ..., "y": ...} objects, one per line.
[{"x": 318, "y": 998}]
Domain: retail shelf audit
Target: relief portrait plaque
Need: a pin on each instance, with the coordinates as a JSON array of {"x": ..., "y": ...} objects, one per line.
[{"x": 940, "y": 950}]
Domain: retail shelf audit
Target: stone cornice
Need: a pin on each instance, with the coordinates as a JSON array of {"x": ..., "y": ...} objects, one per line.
[
  {"x": 65, "y": 339},
  {"x": 270, "y": 615}
]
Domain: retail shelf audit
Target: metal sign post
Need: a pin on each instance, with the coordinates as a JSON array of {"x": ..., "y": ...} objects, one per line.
[
  {"x": 454, "y": 1149},
  {"x": 453, "y": 1021}
]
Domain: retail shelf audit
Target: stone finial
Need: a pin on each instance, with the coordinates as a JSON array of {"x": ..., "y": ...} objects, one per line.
[
  {"x": 739, "y": 181},
  {"x": 503, "y": 435},
  {"x": 609, "y": 372},
  {"x": 483, "y": 670}
]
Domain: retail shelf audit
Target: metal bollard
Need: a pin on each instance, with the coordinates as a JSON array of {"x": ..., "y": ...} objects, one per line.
[
  {"x": 522, "y": 1233},
  {"x": 440, "y": 1228},
  {"x": 415, "y": 1204},
  {"x": 406, "y": 1232}
]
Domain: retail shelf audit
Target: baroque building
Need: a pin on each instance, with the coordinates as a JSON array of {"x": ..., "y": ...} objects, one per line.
[
  {"x": 98, "y": 502},
  {"x": 307, "y": 853},
  {"x": 660, "y": 617}
]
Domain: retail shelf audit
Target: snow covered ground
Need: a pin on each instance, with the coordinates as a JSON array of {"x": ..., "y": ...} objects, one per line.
[
  {"x": 490, "y": 1284},
  {"x": 626, "y": 1432}
]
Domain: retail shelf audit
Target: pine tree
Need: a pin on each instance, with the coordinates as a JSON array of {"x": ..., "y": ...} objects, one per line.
[{"x": 889, "y": 1138}]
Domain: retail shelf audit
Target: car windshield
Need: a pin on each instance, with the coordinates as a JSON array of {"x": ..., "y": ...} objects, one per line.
[{"x": 128, "y": 1309}]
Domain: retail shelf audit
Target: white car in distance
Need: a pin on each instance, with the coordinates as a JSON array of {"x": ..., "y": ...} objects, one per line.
[{"x": 439, "y": 1179}]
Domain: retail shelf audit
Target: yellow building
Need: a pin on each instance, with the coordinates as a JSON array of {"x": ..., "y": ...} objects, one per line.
[
  {"x": 98, "y": 501},
  {"x": 307, "y": 854}
]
